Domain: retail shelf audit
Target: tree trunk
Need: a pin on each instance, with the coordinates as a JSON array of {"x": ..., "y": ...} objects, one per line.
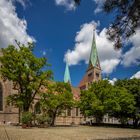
[
  {"x": 53, "y": 118},
  {"x": 26, "y": 108},
  {"x": 99, "y": 119},
  {"x": 135, "y": 122}
]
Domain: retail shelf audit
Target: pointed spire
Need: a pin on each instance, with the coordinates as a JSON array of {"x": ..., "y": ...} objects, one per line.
[
  {"x": 67, "y": 78},
  {"x": 93, "y": 54}
]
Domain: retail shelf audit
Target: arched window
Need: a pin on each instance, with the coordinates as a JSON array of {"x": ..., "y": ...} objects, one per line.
[
  {"x": 1, "y": 97},
  {"x": 37, "y": 108}
]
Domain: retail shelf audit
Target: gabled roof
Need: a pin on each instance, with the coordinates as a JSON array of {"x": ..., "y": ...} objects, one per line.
[
  {"x": 67, "y": 78},
  {"x": 76, "y": 93},
  {"x": 83, "y": 81}
]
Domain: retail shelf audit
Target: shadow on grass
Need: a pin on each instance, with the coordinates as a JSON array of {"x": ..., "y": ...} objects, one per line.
[
  {"x": 129, "y": 138},
  {"x": 113, "y": 125}
]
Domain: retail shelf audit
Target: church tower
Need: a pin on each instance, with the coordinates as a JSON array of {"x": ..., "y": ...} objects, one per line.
[
  {"x": 93, "y": 72},
  {"x": 67, "y": 78}
]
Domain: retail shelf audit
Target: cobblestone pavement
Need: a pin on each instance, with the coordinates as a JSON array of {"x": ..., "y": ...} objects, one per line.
[{"x": 67, "y": 133}]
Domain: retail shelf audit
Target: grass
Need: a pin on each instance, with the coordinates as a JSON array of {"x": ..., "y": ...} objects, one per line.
[{"x": 67, "y": 133}]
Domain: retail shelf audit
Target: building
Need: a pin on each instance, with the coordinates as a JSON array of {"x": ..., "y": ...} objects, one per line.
[
  {"x": 93, "y": 73},
  {"x": 7, "y": 113}
]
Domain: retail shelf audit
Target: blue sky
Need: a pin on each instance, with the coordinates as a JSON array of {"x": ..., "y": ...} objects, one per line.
[{"x": 62, "y": 31}]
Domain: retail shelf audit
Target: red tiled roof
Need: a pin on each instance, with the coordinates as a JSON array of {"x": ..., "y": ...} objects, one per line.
[{"x": 83, "y": 81}]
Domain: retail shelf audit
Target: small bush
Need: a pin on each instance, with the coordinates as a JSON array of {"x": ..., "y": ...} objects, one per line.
[
  {"x": 26, "y": 118},
  {"x": 42, "y": 119}
]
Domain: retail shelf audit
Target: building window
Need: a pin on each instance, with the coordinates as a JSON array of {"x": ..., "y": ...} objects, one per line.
[
  {"x": 90, "y": 74},
  {"x": 69, "y": 112},
  {"x": 83, "y": 87},
  {"x": 77, "y": 111},
  {"x": 97, "y": 75},
  {"x": 1, "y": 97}
]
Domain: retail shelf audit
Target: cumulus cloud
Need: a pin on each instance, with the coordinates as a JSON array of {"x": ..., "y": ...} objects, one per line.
[
  {"x": 109, "y": 58},
  {"x": 132, "y": 56},
  {"x": 68, "y": 4},
  {"x": 136, "y": 75},
  {"x": 99, "y": 4},
  {"x": 11, "y": 26},
  {"x": 112, "y": 81}
]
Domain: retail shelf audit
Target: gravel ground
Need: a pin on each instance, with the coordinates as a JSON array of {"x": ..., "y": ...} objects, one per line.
[{"x": 66, "y": 133}]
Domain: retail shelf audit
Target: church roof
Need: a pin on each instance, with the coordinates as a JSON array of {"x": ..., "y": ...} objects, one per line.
[
  {"x": 93, "y": 60},
  {"x": 67, "y": 77},
  {"x": 83, "y": 81},
  {"x": 76, "y": 93}
]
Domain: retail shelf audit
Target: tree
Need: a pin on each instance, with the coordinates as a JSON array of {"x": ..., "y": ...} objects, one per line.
[
  {"x": 77, "y": 1},
  {"x": 102, "y": 98},
  {"x": 123, "y": 105},
  {"x": 133, "y": 87},
  {"x": 127, "y": 19},
  {"x": 97, "y": 100},
  {"x": 27, "y": 72},
  {"x": 56, "y": 99},
  {"x": 127, "y": 13},
  {"x": 86, "y": 100}
]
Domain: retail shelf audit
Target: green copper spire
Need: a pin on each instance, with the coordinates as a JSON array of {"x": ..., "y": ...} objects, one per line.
[
  {"x": 67, "y": 78},
  {"x": 93, "y": 54}
]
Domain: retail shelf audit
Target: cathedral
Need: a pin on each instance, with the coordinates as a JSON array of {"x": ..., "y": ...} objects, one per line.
[{"x": 9, "y": 114}]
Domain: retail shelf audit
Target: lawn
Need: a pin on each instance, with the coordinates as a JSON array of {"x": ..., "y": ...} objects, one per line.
[{"x": 66, "y": 133}]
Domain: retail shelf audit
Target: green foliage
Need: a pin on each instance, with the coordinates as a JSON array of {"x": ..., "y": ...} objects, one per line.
[
  {"x": 43, "y": 119},
  {"x": 57, "y": 98},
  {"x": 124, "y": 104},
  {"x": 133, "y": 87},
  {"x": 127, "y": 19},
  {"x": 102, "y": 98},
  {"x": 97, "y": 99},
  {"x": 26, "y": 118},
  {"x": 27, "y": 72},
  {"x": 85, "y": 103},
  {"x": 103, "y": 92}
]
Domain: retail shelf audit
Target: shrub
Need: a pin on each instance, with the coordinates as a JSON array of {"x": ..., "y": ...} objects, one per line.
[
  {"x": 43, "y": 119},
  {"x": 26, "y": 118}
]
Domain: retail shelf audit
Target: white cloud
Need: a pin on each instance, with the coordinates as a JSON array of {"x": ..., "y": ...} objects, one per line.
[
  {"x": 11, "y": 26},
  {"x": 112, "y": 82},
  {"x": 68, "y": 4},
  {"x": 136, "y": 75},
  {"x": 109, "y": 58},
  {"x": 99, "y": 4},
  {"x": 132, "y": 56}
]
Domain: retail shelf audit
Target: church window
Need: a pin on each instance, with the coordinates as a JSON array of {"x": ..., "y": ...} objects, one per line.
[
  {"x": 97, "y": 75},
  {"x": 83, "y": 87},
  {"x": 90, "y": 74},
  {"x": 1, "y": 97}
]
